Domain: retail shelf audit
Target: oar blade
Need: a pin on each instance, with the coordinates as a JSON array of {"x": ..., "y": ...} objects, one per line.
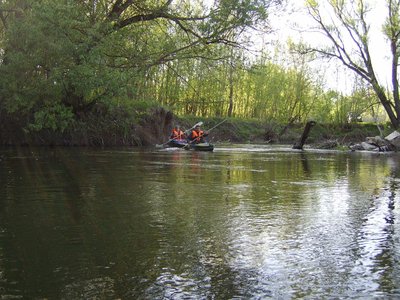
[{"x": 198, "y": 124}]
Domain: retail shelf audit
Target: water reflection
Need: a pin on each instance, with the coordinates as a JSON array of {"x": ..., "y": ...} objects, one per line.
[
  {"x": 377, "y": 266},
  {"x": 242, "y": 222}
]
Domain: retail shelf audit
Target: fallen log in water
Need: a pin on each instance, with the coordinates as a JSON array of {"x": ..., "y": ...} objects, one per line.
[{"x": 304, "y": 136}]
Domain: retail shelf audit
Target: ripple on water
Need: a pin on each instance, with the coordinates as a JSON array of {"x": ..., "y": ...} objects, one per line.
[
  {"x": 169, "y": 285},
  {"x": 268, "y": 224},
  {"x": 377, "y": 263}
]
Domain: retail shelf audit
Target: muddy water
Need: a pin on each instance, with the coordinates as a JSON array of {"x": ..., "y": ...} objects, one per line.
[{"x": 243, "y": 222}]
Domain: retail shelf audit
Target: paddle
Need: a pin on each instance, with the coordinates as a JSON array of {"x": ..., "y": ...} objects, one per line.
[{"x": 170, "y": 140}]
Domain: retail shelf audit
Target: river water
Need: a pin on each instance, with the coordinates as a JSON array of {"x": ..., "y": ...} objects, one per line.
[{"x": 243, "y": 222}]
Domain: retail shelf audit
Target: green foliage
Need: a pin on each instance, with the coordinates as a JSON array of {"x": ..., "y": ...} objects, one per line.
[
  {"x": 77, "y": 54},
  {"x": 136, "y": 110},
  {"x": 56, "y": 118},
  {"x": 68, "y": 63}
]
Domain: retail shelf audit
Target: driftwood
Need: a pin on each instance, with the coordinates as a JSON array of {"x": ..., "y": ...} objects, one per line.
[{"x": 304, "y": 136}]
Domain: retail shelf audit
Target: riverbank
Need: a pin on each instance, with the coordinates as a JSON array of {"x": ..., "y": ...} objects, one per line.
[
  {"x": 258, "y": 132},
  {"x": 154, "y": 128}
]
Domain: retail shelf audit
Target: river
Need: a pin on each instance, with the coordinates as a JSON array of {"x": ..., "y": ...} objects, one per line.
[{"x": 242, "y": 222}]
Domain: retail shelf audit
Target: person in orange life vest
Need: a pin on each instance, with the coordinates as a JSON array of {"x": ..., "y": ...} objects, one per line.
[
  {"x": 197, "y": 135},
  {"x": 177, "y": 133}
]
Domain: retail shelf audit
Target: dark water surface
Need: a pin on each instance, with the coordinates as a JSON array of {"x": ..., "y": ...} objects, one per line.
[{"x": 244, "y": 222}]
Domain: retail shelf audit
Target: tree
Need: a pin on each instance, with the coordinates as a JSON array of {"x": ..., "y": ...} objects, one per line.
[
  {"x": 345, "y": 25},
  {"x": 63, "y": 57}
]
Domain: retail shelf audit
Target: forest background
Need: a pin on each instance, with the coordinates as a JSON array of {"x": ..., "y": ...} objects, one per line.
[{"x": 122, "y": 72}]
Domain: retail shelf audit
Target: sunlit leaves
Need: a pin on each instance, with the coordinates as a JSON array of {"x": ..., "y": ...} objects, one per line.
[
  {"x": 312, "y": 3},
  {"x": 392, "y": 23}
]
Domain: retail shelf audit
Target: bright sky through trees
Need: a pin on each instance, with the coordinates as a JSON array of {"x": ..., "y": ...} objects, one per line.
[{"x": 293, "y": 23}]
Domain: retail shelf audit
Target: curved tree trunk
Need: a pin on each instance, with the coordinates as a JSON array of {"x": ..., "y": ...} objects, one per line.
[
  {"x": 299, "y": 145},
  {"x": 387, "y": 105}
]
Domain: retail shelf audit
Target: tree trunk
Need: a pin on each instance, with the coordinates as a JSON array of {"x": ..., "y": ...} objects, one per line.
[
  {"x": 230, "y": 108},
  {"x": 394, "y": 118},
  {"x": 304, "y": 136}
]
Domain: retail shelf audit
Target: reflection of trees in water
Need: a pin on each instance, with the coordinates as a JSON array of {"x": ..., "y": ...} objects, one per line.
[
  {"x": 203, "y": 224},
  {"x": 389, "y": 259},
  {"x": 379, "y": 236},
  {"x": 305, "y": 164},
  {"x": 57, "y": 205},
  {"x": 393, "y": 182}
]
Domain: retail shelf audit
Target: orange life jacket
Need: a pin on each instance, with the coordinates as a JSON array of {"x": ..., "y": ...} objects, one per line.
[
  {"x": 177, "y": 134},
  {"x": 197, "y": 135}
]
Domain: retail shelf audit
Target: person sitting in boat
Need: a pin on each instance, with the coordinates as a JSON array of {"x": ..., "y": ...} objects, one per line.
[
  {"x": 197, "y": 135},
  {"x": 177, "y": 133}
]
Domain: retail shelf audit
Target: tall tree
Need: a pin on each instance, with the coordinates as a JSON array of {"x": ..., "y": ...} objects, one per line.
[
  {"x": 345, "y": 25},
  {"x": 65, "y": 56}
]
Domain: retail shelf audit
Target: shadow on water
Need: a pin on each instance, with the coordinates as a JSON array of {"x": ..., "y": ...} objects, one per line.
[{"x": 245, "y": 221}]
